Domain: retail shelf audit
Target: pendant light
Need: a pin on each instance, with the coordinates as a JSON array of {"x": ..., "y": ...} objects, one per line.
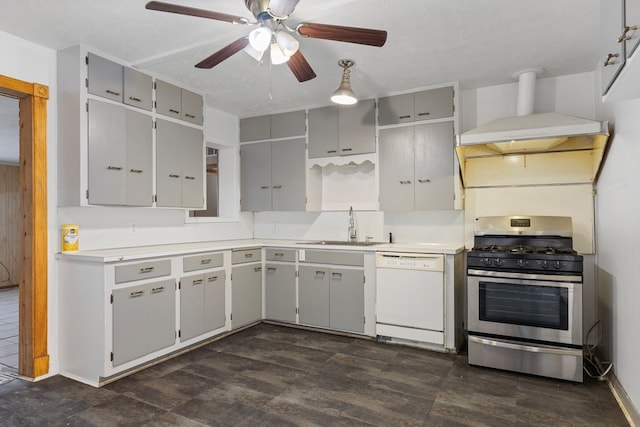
[{"x": 344, "y": 94}]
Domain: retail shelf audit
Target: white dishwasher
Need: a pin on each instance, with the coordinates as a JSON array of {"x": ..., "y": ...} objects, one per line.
[{"x": 410, "y": 297}]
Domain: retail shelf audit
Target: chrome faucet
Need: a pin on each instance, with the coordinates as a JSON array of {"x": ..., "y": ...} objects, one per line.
[{"x": 352, "y": 226}]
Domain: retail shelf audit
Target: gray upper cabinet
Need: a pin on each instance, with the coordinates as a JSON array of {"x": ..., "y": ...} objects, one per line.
[
  {"x": 179, "y": 165},
  {"x": 138, "y": 89},
  {"x": 612, "y": 52},
  {"x": 139, "y": 176},
  {"x": 397, "y": 164},
  {"x": 410, "y": 107},
  {"x": 105, "y": 78},
  {"x": 632, "y": 20},
  {"x": 342, "y": 130},
  {"x": 255, "y": 177},
  {"x": 275, "y": 126},
  {"x": 173, "y": 101}
]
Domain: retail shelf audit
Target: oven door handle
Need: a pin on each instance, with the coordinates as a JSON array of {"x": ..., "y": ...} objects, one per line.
[
  {"x": 539, "y": 348},
  {"x": 506, "y": 276}
]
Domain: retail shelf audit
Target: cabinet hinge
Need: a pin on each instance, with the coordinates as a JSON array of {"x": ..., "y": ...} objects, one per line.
[
  {"x": 87, "y": 194},
  {"x": 155, "y": 198},
  {"x": 364, "y": 279},
  {"x": 179, "y": 284},
  {"x": 111, "y": 298},
  {"x": 155, "y": 104},
  {"x": 179, "y": 333},
  {"x": 297, "y": 312},
  {"x": 86, "y": 83},
  {"x": 364, "y": 320},
  {"x": 87, "y": 107},
  {"x": 86, "y": 59},
  {"x": 231, "y": 316},
  {"x": 111, "y": 357},
  {"x": 154, "y": 85},
  {"x": 297, "y": 273}
]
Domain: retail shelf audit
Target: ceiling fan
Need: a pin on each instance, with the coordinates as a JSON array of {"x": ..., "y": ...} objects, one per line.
[{"x": 273, "y": 34}]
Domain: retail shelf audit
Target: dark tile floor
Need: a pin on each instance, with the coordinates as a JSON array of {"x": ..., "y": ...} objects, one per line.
[{"x": 273, "y": 375}]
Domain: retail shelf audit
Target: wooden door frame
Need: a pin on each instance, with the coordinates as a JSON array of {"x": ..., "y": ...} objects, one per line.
[{"x": 33, "y": 359}]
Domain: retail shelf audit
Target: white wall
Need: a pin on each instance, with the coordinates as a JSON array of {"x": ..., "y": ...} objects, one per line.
[{"x": 30, "y": 62}]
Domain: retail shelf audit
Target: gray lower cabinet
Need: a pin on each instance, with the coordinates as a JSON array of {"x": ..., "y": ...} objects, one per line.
[
  {"x": 144, "y": 320},
  {"x": 416, "y": 167},
  {"x": 273, "y": 176},
  {"x": 120, "y": 155},
  {"x": 331, "y": 297},
  {"x": 280, "y": 292},
  {"x": 180, "y": 166},
  {"x": 202, "y": 303},
  {"x": 246, "y": 294}
]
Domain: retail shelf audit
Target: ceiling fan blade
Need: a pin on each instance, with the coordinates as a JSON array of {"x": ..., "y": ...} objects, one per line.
[
  {"x": 282, "y": 8},
  {"x": 192, "y": 11},
  {"x": 343, "y": 34},
  {"x": 223, "y": 53},
  {"x": 300, "y": 67}
]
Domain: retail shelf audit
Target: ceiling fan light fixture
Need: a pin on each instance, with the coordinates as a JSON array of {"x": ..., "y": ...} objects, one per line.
[
  {"x": 260, "y": 38},
  {"x": 287, "y": 43},
  {"x": 344, "y": 94},
  {"x": 255, "y": 54},
  {"x": 277, "y": 57}
]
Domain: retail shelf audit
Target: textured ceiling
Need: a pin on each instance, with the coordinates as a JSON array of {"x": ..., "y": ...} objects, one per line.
[{"x": 477, "y": 42}]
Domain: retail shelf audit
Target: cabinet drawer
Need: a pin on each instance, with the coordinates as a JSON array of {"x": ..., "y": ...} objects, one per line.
[
  {"x": 142, "y": 270},
  {"x": 286, "y": 255},
  {"x": 241, "y": 256},
  {"x": 335, "y": 257},
  {"x": 201, "y": 262}
]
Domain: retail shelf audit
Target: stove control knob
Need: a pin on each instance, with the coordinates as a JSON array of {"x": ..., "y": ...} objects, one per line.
[
  {"x": 486, "y": 261},
  {"x": 545, "y": 264},
  {"x": 498, "y": 262},
  {"x": 557, "y": 265},
  {"x": 521, "y": 263}
]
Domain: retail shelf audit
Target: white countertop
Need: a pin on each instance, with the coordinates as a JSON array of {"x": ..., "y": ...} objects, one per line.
[{"x": 155, "y": 251}]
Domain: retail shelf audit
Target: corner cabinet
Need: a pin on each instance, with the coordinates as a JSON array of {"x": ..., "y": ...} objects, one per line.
[{"x": 106, "y": 133}]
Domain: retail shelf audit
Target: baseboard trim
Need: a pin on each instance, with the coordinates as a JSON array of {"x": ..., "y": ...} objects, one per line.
[{"x": 627, "y": 406}]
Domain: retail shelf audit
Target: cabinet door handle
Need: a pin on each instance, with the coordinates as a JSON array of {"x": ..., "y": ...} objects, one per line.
[
  {"x": 422, "y": 181},
  {"x": 271, "y": 269},
  {"x": 264, "y": 187},
  {"x": 257, "y": 269},
  {"x": 406, "y": 182},
  {"x": 112, "y": 92},
  {"x": 624, "y": 37},
  {"x": 147, "y": 269},
  {"x": 277, "y": 187},
  {"x": 135, "y": 170},
  {"x": 408, "y": 116},
  {"x": 173, "y": 175},
  {"x": 133, "y": 98},
  {"x": 159, "y": 289},
  {"x": 171, "y": 110},
  {"x": 279, "y": 254},
  {"x": 189, "y": 177},
  {"x": 319, "y": 274},
  {"x": 332, "y": 151},
  {"x": 611, "y": 59},
  {"x": 336, "y": 276},
  {"x": 114, "y": 168},
  {"x": 347, "y": 149},
  {"x": 136, "y": 293},
  {"x": 205, "y": 261},
  {"x": 212, "y": 278},
  {"x": 426, "y": 113},
  {"x": 190, "y": 116},
  {"x": 197, "y": 281}
]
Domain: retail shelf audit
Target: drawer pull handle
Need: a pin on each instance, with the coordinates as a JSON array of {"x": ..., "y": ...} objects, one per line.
[
  {"x": 173, "y": 175},
  {"x": 191, "y": 116},
  {"x": 320, "y": 274},
  {"x": 133, "y": 98},
  {"x": 347, "y": 149},
  {"x": 624, "y": 37},
  {"x": 212, "y": 278},
  {"x": 332, "y": 151},
  {"x": 249, "y": 255},
  {"x": 197, "y": 281},
  {"x": 135, "y": 170},
  {"x": 205, "y": 261},
  {"x": 610, "y": 59},
  {"x": 422, "y": 181},
  {"x": 171, "y": 110},
  {"x": 277, "y": 187},
  {"x": 147, "y": 269},
  {"x": 426, "y": 113},
  {"x": 405, "y": 182},
  {"x": 112, "y": 92},
  {"x": 408, "y": 116},
  {"x": 337, "y": 276},
  {"x": 257, "y": 269},
  {"x": 264, "y": 187},
  {"x": 189, "y": 177},
  {"x": 271, "y": 269},
  {"x": 114, "y": 168},
  {"x": 279, "y": 254},
  {"x": 136, "y": 294},
  {"x": 161, "y": 288}
]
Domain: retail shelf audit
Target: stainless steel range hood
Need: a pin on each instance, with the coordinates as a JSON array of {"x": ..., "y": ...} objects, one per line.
[{"x": 530, "y": 134}]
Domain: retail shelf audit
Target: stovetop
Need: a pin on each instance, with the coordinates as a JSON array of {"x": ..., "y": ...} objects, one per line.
[{"x": 521, "y": 249}]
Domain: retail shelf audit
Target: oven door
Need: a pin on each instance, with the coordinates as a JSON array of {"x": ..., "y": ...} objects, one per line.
[{"x": 525, "y": 306}]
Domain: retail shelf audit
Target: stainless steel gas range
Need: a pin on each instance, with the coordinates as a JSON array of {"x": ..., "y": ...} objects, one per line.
[{"x": 524, "y": 296}]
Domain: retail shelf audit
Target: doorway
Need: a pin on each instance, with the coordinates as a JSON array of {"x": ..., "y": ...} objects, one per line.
[{"x": 33, "y": 360}]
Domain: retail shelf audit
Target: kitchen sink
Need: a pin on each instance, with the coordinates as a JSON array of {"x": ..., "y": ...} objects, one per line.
[{"x": 341, "y": 243}]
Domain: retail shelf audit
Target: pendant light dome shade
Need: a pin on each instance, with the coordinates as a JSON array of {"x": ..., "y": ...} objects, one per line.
[
  {"x": 344, "y": 94},
  {"x": 260, "y": 38}
]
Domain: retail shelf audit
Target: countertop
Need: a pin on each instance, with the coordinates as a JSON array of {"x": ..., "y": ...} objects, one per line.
[{"x": 155, "y": 251}]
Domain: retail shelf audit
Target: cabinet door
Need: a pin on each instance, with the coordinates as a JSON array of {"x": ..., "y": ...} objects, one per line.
[
  {"x": 255, "y": 128},
  {"x": 288, "y": 175},
  {"x": 192, "y": 169},
  {"x": 138, "y": 89},
  {"x": 129, "y": 324},
  {"x": 139, "y": 154},
  {"x": 105, "y": 78},
  {"x": 161, "y": 317},
  {"x": 434, "y": 103},
  {"x": 434, "y": 146},
  {"x": 395, "y": 109},
  {"x": 280, "y": 292},
  {"x": 357, "y": 130},
  {"x": 289, "y": 124},
  {"x": 107, "y": 153},
  {"x": 396, "y": 169},
  {"x": 313, "y": 294},
  {"x": 612, "y": 53},
  {"x": 632, "y": 19},
  {"x": 168, "y": 99},
  {"x": 192, "y": 107},
  {"x": 255, "y": 177},
  {"x": 246, "y": 294},
  {"x": 215, "y": 314},
  {"x": 192, "y": 306},
  {"x": 168, "y": 164},
  {"x": 347, "y": 300},
  {"x": 323, "y": 132}
]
